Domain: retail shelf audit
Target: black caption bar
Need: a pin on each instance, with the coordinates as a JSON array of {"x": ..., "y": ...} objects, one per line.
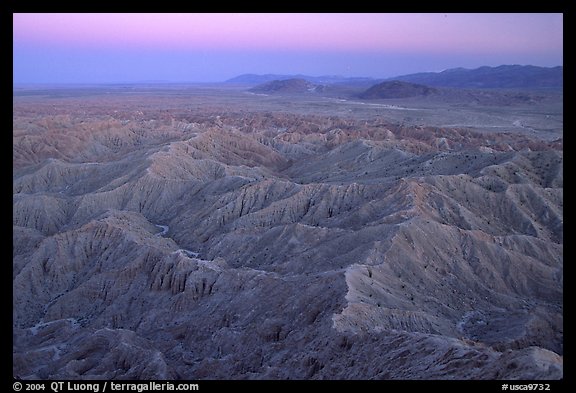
[
  {"x": 104, "y": 386},
  {"x": 266, "y": 386}
]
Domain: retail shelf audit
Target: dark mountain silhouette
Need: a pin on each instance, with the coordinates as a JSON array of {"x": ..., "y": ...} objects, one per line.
[
  {"x": 254, "y": 79},
  {"x": 397, "y": 89},
  {"x": 287, "y": 86},
  {"x": 504, "y": 76}
]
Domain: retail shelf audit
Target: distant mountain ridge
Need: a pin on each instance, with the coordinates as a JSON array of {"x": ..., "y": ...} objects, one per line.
[
  {"x": 294, "y": 85},
  {"x": 397, "y": 89},
  {"x": 504, "y": 76},
  {"x": 255, "y": 79}
]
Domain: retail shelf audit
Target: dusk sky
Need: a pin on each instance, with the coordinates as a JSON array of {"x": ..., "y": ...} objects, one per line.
[{"x": 113, "y": 48}]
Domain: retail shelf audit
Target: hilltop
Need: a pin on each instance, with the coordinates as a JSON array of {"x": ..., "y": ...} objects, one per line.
[
  {"x": 290, "y": 86},
  {"x": 397, "y": 89}
]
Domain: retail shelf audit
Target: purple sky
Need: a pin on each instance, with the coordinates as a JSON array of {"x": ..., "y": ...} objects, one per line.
[{"x": 95, "y": 48}]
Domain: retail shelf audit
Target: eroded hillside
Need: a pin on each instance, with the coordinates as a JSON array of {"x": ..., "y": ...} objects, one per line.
[{"x": 161, "y": 241}]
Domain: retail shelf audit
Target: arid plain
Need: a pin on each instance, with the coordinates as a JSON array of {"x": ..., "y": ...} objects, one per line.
[{"x": 212, "y": 232}]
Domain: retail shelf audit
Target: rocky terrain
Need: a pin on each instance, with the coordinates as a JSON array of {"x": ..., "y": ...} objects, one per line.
[{"x": 156, "y": 239}]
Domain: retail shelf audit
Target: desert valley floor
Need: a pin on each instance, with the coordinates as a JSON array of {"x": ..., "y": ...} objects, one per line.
[{"x": 197, "y": 232}]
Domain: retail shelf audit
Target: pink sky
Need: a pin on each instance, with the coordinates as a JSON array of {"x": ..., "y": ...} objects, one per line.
[
  {"x": 329, "y": 32},
  {"x": 216, "y": 47}
]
